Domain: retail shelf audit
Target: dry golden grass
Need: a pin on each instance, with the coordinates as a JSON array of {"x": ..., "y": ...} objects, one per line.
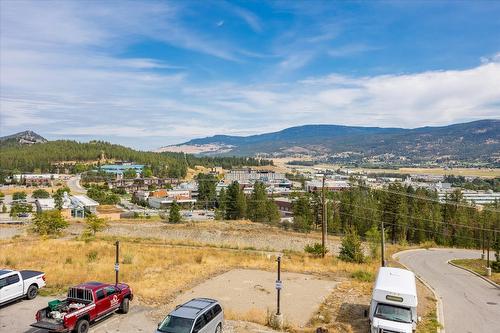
[
  {"x": 29, "y": 190},
  {"x": 156, "y": 272}
]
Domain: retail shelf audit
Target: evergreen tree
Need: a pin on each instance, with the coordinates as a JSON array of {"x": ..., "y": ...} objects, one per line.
[
  {"x": 207, "y": 194},
  {"x": 220, "y": 212},
  {"x": 351, "y": 249},
  {"x": 236, "y": 202},
  {"x": 257, "y": 203},
  {"x": 303, "y": 217},
  {"x": 174, "y": 215}
]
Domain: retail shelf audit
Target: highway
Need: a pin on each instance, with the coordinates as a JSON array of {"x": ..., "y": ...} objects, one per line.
[{"x": 470, "y": 304}]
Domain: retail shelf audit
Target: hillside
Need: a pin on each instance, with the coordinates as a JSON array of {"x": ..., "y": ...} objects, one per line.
[
  {"x": 50, "y": 156},
  {"x": 22, "y": 138},
  {"x": 473, "y": 142}
]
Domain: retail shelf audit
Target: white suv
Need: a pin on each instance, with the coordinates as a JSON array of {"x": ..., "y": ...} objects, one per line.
[{"x": 199, "y": 315}]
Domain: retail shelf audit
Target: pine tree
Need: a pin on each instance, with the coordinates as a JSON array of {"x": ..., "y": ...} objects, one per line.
[
  {"x": 174, "y": 215},
  {"x": 257, "y": 203},
  {"x": 220, "y": 212},
  {"x": 236, "y": 202},
  {"x": 351, "y": 249}
]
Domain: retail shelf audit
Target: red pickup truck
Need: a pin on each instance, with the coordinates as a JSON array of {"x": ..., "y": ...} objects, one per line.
[{"x": 86, "y": 303}]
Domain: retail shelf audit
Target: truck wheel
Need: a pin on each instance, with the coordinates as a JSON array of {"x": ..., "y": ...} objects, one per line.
[
  {"x": 82, "y": 326},
  {"x": 124, "y": 307},
  {"x": 218, "y": 329},
  {"x": 32, "y": 292}
]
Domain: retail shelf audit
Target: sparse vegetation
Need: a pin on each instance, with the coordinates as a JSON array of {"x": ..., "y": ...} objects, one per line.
[{"x": 316, "y": 249}]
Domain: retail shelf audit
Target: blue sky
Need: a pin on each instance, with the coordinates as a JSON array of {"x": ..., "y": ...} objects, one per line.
[{"x": 151, "y": 73}]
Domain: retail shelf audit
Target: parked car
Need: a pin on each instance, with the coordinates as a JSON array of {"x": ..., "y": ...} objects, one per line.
[
  {"x": 23, "y": 215},
  {"x": 199, "y": 315},
  {"x": 85, "y": 304},
  {"x": 394, "y": 302},
  {"x": 18, "y": 284}
]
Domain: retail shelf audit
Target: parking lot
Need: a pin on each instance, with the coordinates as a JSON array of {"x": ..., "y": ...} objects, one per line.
[{"x": 17, "y": 317}]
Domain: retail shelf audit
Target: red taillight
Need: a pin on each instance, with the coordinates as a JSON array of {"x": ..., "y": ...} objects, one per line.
[
  {"x": 43, "y": 277},
  {"x": 37, "y": 316}
]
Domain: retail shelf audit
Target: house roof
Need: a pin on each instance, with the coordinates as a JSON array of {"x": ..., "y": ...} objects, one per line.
[{"x": 84, "y": 200}]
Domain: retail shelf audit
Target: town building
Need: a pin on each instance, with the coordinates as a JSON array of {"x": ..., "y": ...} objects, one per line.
[
  {"x": 248, "y": 175},
  {"x": 330, "y": 185}
]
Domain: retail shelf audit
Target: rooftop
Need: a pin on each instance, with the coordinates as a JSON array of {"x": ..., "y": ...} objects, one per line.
[{"x": 396, "y": 280}]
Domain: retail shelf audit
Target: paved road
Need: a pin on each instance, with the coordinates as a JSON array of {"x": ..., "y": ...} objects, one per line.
[
  {"x": 17, "y": 317},
  {"x": 74, "y": 185},
  {"x": 470, "y": 304}
]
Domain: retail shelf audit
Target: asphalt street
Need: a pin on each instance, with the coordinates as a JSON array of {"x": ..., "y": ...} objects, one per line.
[{"x": 470, "y": 304}]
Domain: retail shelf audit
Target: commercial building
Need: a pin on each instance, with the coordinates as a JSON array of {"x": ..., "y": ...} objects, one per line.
[
  {"x": 119, "y": 169},
  {"x": 248, "y": 175},
  {"x": 330, "y": 185}
]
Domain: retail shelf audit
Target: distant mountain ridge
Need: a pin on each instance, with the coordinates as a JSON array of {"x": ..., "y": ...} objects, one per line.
[
  {"x": 23, "y": 138},
  {"x": 473, "y": 141}
]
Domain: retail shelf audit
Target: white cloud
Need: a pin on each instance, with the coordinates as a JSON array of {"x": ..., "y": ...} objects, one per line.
[{"x": 61, "y": 78}]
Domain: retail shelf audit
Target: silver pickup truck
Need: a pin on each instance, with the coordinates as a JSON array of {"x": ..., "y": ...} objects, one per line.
[{"x": 19, "y": 284}]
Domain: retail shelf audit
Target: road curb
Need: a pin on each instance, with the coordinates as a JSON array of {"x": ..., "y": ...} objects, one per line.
[
  {"x": 475, "y": 273},
  {"x": 439, "y": 303}
]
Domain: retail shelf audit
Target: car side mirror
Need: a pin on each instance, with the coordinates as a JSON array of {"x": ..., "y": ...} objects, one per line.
[{"x": 365, "y": 313}]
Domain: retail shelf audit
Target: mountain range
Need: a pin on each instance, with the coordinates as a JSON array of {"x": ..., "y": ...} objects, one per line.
[{"x": 474, "y": 142}]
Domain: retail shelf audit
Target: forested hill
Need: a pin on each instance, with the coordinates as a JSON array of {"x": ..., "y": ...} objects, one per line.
[
  {"x": 473, "y": 141},
  {"x": 44, "y": 157}
]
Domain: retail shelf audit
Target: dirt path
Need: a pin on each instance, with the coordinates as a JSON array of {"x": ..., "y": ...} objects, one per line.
[{"x": 250, "y": 294}]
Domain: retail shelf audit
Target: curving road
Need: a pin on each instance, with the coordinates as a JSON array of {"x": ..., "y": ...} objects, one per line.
[
  {"x": 470, "y": 304},
  {"x": 74, "y": 185}
]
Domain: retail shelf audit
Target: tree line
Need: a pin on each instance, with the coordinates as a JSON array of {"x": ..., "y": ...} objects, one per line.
[
  {"x": 52, "y": 155},
  {"x": 233, "y": 204},
  {"x": 409, "y": 215}
]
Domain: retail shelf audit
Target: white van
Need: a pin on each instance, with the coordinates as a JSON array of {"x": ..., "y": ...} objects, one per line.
[
  {"x": 199, "y": 315},
  {"x": 394, "y": 302}
]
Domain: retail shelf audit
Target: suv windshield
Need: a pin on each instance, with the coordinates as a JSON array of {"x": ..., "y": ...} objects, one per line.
[
  {"x": 394, "y": 313},
  {"x": 172, "y": 324}
]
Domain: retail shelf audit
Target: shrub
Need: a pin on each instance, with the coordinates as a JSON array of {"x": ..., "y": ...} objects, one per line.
[
  {"x": 316, "y": 249},
  {"x": 351, "y": 249},
  {"x": 127, "y": 259},
  {"x": 363, "y": 276},
  {"x": 92, "y": 256},
  {"x": 19, "y": 195},
  {"x": 40, "y": 194}
]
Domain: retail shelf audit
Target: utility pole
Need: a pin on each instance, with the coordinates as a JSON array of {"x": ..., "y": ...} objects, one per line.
[
  {"x": 382, "y": 252},
  {"x": 324, "y": 219},
  {"x": 482, "y": 244},
  {"x": 117, "y": 262}
]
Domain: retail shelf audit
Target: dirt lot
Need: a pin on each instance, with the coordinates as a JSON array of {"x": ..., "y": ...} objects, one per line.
[{"x": 244, "y": 293}]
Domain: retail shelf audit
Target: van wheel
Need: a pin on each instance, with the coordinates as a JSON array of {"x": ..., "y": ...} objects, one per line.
[
  {"x": 124, "y": 307},
  {"x": 218, "y": 329},
  {"x": 32, "y": 292},
  {"x": 82, "y": 326}
]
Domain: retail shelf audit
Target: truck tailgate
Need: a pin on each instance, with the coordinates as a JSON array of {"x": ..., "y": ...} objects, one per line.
[{"x": 50, "y": 326}]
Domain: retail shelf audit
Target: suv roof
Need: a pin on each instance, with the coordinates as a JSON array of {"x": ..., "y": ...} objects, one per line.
[{"x": 192, "y": 308}]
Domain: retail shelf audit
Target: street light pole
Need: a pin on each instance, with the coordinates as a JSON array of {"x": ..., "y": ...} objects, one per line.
[{"x": 382, "y": 252}]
